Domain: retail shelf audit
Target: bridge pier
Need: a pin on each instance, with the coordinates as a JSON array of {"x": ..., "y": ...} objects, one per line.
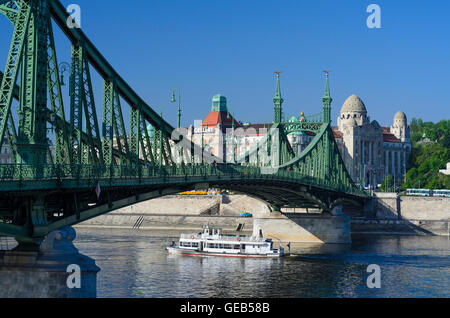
[
  {"x": 49, "y": 270},
  {"x": 304, "y": 228}
]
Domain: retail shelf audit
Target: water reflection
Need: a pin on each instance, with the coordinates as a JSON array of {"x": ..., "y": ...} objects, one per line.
[{"x": 135, "y": 264}]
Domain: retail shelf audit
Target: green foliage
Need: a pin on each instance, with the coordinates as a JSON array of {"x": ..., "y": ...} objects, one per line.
[
  {"x": 430, "y": 153},
  {"x": 388, "y": 184}
]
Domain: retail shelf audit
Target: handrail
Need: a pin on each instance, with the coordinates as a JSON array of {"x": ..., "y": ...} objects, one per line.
[{"x": 12, "y": 172}]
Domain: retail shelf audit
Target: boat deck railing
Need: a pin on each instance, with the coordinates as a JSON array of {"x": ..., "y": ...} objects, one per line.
[{"x": 228, "y": 238}]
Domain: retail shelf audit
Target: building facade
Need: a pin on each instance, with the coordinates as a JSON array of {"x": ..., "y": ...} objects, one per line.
[
  {"x": 371, "y": 152},
  {"x": 5, "y": 154}
]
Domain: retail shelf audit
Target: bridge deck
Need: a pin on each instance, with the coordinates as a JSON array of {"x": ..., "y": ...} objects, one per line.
[{"x": 29, "y": 178}]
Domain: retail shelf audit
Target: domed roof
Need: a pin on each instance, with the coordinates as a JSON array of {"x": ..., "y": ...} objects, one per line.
[
  {"x": 400, "y": 116},
  {"x": 353, "y": 104},
  {"x": 293, "y": 119}
]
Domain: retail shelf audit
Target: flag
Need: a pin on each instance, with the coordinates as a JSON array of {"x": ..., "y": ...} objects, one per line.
[{"x": 98, "y": 190}]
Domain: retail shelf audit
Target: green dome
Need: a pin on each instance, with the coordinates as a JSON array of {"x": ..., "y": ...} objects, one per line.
[{"x": 293, "y": 119}]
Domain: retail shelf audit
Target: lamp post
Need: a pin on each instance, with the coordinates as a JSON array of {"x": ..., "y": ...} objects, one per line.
[
  {"x": 173, "y": 100},
  {"x": 63, "y": 67}
]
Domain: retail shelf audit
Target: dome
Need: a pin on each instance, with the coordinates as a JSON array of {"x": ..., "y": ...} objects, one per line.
[
  {"x": 353, "y": 104},
  {"x": 293, "y": 119},
  {"x": 400, "y": 119},
  {"x": 376, "y": 124},
  {"x": 400, "y": 116}
]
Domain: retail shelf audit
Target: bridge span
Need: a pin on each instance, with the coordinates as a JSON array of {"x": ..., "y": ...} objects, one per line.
[{"x": 67, "y": 171}]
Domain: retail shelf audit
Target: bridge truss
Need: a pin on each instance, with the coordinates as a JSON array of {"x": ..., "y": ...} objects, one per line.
[{"x": 85, "y": 168}]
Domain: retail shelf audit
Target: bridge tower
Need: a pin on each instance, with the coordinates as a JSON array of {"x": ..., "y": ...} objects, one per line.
[
  {"x": 278, "y": 102},
  {"x": 327, "y": 120},
  {"x": 27, "y": 55},
  {"x": 327, "y": 101}
]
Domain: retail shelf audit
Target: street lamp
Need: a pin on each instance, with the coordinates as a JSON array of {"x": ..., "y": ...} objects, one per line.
[
  {"x": 63, "y": 67},
  {"x": 173, "y": 100}
]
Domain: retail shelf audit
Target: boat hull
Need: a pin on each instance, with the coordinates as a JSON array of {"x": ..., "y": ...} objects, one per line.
[{"x": 180, "y": 251}]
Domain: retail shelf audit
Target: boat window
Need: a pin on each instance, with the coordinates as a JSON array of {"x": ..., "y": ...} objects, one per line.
[{"x": 237, "y": 247}]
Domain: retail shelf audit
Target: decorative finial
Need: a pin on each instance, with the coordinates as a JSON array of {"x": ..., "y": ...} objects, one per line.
[
  {"x": 327, "y": 72},
  {"x": 278, "y": 74}
]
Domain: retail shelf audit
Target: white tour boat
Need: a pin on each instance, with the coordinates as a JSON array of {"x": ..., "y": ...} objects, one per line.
[{"x": 210, "y": 242}]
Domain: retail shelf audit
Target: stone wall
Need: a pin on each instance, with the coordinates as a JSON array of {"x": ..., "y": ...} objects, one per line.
[
  {"x": 424, "y": 208},
  {"x": 168, "y": 222},
  {"x": 392, "y": 207},
  {"x": 173, "y": 205},
  {"x": 299, "y": 227},
  {"x": 395, "y": 214}
]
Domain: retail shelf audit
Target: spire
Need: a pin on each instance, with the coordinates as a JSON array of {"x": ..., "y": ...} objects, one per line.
[
  {"x": 278, "y": 101},
  {"x": 327, "y": 100},
  {"x": 179, "y": 110},
  {"x": 278, "y": 91}
]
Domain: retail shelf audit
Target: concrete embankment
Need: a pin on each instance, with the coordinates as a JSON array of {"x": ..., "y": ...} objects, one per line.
[
  {"x": 400, "y": 227},
  {"x": 392, "y": 214},
  {"x": 184, "y": 213}
]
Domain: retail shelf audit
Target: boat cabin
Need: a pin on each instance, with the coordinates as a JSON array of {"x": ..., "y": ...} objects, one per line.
[{"x": 211, "y": 240}]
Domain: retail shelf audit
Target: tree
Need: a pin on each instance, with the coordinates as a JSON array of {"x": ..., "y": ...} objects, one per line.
[
  {"x": 428, "y": 158},
  {"x": 388, "y": 184}
]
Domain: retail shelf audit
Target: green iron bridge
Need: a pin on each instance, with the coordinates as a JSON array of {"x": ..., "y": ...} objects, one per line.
[{"x": 59, "y": 165}]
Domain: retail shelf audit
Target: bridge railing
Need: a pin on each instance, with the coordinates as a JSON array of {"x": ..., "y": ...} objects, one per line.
[{"x": 123, "y": 172}]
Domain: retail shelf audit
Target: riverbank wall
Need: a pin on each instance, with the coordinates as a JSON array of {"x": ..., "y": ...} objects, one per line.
[
  {"x": 392, "y": 214},
  {"x": 185, "y": 213},
  {"x": 400, "y": 214}
]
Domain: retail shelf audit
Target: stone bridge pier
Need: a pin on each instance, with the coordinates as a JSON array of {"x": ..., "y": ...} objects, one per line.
[
  {"x": 305, "y": 228},
  {"x": 53, "y": 269}
]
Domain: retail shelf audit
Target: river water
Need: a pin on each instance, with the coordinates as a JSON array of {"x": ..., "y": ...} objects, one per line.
[{"x": 135, "y": 264}]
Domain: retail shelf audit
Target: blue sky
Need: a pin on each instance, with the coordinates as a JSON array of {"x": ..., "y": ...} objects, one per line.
[{"x": 207, "y": 47}]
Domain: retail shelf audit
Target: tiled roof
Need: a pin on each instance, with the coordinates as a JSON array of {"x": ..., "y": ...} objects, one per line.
[
  {"x": 223, "y": 118},
  {"x": 391, "y": 138},
  {"x": 388, "y": 136}
]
